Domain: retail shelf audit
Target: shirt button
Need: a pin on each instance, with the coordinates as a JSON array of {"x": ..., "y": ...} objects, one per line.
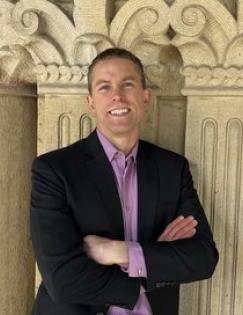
[{"x": 139, "y": 272}]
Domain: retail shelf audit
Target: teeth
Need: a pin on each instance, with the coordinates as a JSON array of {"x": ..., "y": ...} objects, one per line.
[{"x": 119, "y": 111}]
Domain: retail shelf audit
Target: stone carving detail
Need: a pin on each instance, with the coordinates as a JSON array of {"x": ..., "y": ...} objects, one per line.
[
  {"x": 189, "y": 18},
  {"x": 154, "y": 73},
  {"x": 26, "y": 18},
  {"x": 149, "y": 18},
  {"x": 231, "y": 207},
  {"x": 86, "y": 47},
  {"x": 31, "y": 26},
  {"x": 84, "y": 21},
  {"x": 204, "y": 32},
  {"x": 61, "y": 74},
  {"x": 205, "y": 28},
  {"x": 208, "y": 154},
  {"x": 64, "y": 130},
  {"x": 86, "y": 125},
  {"x": 206, "y": 188},
  {"x": 234, "y": 52},
  {"x": 141, "y": 26},
  {"x": 205, "y": 76}
]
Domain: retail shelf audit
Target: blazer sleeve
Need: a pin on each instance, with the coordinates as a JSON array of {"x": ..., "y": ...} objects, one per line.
[
  {"x": 182, "y": 261},
  {"x": 68, "y": 274}
]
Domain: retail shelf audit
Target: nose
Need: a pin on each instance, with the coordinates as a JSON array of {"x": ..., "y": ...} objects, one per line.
[{"x": 117, "y": 95}]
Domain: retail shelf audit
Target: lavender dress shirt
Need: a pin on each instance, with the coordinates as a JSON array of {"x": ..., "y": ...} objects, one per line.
[{"x": 125, "y": 171}]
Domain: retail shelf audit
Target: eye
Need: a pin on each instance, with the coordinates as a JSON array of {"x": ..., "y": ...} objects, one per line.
[
  {"x": 103, "y": 88},
  {"x": 128, "y": 84}
]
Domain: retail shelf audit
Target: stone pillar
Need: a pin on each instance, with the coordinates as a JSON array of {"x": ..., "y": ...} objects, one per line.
[
  {"x": 18, "y": 148},
  {"x": 214, "y": 135},
  {"x": 63, "y": 118}
]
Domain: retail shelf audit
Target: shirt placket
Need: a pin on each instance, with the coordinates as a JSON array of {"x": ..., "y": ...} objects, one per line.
[
  {"x": 124, "y": 177},
  {"x": 128, "y": 202}
]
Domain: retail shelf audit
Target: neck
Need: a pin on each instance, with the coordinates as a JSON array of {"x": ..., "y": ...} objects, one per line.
[{"x": 122, "y": 142}]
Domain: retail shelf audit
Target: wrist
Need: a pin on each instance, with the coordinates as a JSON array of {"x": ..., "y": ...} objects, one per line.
[{"x": 121, "y": 250}]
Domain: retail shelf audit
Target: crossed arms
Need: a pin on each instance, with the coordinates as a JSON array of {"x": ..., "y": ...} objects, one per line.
[
  {"x": 108, "y": 252},
  {"x": 73, "y": 273}
]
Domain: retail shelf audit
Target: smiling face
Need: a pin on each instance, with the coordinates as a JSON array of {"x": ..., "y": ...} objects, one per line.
[{"x": 118, "y": 99}]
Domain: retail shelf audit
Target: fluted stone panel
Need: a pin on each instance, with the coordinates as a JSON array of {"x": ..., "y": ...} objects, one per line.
[
  {"x": 62, "y": 120},
  {"x": 214, "y": 143}
]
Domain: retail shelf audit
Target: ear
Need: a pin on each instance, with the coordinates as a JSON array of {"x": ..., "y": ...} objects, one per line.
[
  {"x": 147, "y": 93},
  {"x": 90, "y": 104}
]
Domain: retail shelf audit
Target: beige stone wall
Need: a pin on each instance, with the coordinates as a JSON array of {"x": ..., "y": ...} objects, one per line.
[
  {"x": 215, "y": 145},
  {"x": 67, "y": 119},
  {"x": 18, "y": 147},
  {"x": 192, "y": 52}
]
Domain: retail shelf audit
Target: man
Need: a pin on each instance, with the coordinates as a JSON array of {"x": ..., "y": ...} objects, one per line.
[{"x": 116, "y": 223}]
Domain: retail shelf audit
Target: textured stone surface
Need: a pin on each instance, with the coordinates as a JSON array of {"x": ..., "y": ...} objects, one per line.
[
  {"x": 231, "y": 5},
  {"x": 18, "y": 147},
  {"x": 214, "y": 145},
  {"x": 67, "y": 120}
]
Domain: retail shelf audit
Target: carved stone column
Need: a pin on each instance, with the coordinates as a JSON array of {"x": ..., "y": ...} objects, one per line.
[
  {"x": 214, "y": 136},
  {"x": 210, "y": 43},
  {"x": 18, "y": 148},
  {"x": 63, "y": 116}
]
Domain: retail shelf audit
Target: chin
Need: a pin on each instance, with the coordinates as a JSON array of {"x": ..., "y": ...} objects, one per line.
[{"x": 124, "y": 131}]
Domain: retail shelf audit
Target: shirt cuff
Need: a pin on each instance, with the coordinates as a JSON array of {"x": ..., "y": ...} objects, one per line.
[{"x": 136, "y": 267}]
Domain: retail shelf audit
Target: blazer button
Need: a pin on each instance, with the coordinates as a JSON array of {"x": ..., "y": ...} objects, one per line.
[{"x": 158, "y": 285}]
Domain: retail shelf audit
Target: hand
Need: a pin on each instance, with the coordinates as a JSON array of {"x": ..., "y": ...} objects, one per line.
[
  {"x": 180, "y": 228},
  {"x": 106, "y": 251}
]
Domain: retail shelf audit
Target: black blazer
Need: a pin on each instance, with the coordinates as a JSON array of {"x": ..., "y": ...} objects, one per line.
[{"x": 74, "y": 194}]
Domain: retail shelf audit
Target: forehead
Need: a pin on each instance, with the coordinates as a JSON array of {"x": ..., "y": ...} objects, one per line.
[{"x": 115, "y": 67}]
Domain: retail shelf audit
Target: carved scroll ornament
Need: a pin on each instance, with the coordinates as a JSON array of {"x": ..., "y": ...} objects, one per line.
[{"x": 204, "y": 32}]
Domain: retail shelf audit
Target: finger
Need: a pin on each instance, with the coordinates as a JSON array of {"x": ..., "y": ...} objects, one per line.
[
  {"x": 187, "y": 235},
  {"x": 91, "y": 239},
  {"x": 181, "y": 229},
  {"x": 88, "y": 238},
  {"x": 176, "y": 225},
  {"x": 186, "y": 228},
  {"x": 171, "y": 225},
  {"x": 89, "y": 244},
  {"x": 184, "y": 232}
]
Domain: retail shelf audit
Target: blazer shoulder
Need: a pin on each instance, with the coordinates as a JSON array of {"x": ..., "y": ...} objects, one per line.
[{"x": 68, "y": 155}]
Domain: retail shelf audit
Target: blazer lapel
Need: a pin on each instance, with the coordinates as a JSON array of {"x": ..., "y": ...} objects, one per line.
[
  {"x": 148, "y": 186},
  {"x": 103, "y": 176}
]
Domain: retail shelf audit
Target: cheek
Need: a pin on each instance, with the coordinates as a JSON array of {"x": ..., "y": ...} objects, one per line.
[
  {"x": 100, "y": 108},
  {"x": 141, "y": 104},
  {"x": 95, "y": 105}
]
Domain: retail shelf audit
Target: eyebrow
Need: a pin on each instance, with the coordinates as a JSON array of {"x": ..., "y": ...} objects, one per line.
[
  {"x": 131, "y": 78},
  {"x": 101, "y": 81}
]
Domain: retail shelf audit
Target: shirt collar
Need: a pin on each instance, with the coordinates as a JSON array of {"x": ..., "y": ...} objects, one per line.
[{"x": 111, "y": 151}]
